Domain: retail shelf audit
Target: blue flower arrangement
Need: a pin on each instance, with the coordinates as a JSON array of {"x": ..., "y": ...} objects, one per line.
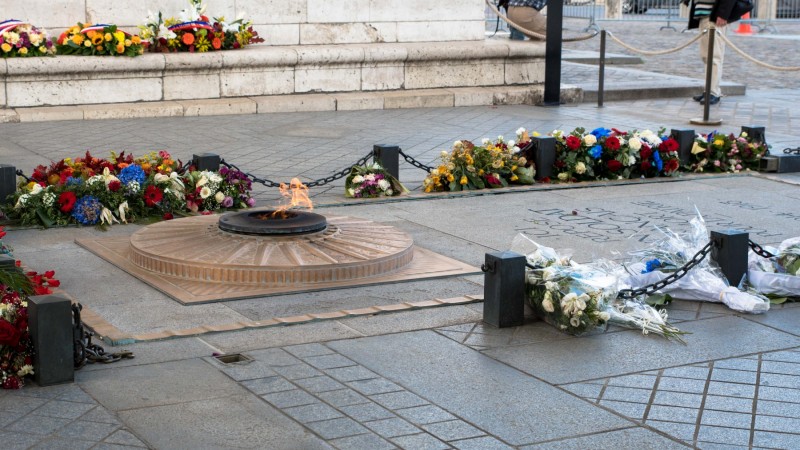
[
  {"x": 131, "y": 173},
  {"x": 87, "y": 210}
]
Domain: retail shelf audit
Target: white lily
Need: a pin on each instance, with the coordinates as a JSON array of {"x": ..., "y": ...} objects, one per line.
[
  {"x": 123, "y": 208},
  {"x": 107, "y": 217}
]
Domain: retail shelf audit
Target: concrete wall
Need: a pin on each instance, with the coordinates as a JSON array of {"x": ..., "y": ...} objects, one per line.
[{"x": 281, "y": 22}]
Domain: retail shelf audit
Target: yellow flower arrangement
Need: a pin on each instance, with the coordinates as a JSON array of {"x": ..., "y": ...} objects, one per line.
[{"x": 101, "y": 39}]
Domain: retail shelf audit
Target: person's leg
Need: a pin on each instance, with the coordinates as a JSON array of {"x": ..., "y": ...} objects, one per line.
[
  {"x": 516, "y": 35},
  {"x": 528, "y": 18}
]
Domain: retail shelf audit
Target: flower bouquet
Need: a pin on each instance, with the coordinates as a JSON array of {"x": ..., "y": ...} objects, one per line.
[
  {"x": 726, "y": 153},
  {"x": 208, "y": 191},
  {"x": 100, "y": 39},
  {"x": 19, "y": 39},
  {"x": 96, "y": 191},
  {"x": 577, "y": 298},
  {"x": 777, "y": 277},
  {"x": 16, "y": 346},
  {"x": 703, "y": 282},
  {"x": 192, "y": 31},
  {"x": 372, "y": 181},
  {"x": 491, "y": 165}
]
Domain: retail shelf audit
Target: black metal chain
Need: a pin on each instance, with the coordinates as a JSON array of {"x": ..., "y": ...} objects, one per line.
[
  {"x": 671, "y": 278},
  {"x": 415, "y": 163},
  {"x": 759, "y": 250},
  {"x": 320, "y": 182},
  {"x": 790, "y": 151},
  {"x": 342, "y": 173},
  {"x": 83, "y": 351},
  {"x": 22, "y": 174}
]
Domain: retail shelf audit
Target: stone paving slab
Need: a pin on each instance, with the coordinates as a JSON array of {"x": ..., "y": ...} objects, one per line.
[
  {"x": 608, "y": 354},
  {"x": 483, "y": 385}
]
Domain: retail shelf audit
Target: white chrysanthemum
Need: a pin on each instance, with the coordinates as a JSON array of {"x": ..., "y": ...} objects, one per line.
[
  {"x": 48, "y": 198},
  {"x": 27, "y": 369},
  {"x": 384, "y": 184},
  {"x": 21, "y": 201},
  {"x": 205, "y": 192}
]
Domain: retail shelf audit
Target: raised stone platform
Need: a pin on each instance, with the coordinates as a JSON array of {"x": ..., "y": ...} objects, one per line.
[{"x": 265, "y": 70}]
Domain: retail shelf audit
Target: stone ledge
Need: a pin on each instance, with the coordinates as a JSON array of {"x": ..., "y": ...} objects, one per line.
[
  {"x": 269, "y": 70},
  {"x": 342, "y": 101}
]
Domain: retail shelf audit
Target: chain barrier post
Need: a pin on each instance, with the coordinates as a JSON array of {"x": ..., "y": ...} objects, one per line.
[
  {"x": 504, "y": 289},
  {"x": 8, "y": 181},
  {"x": 758, "y": 134},
  {"x": 601, "y": 79},
  {"x": 544, "y": 156},
  {"x": 685, "y": 139},
  {"x": 730, "y": 253},
  {"x": 707, "y": 93},
  {"x": 552, "y": 57},
  {"x": 388, "y": 156},
  {"x": 50, "y": 325},
  {"x": 206, "y": 161}
]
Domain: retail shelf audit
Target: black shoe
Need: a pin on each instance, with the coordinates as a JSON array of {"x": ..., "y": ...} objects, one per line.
[
  {"x": 699, "y": 97},
  {"x": 712, "y": 100}
]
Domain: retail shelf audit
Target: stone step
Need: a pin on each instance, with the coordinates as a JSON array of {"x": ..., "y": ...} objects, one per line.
[{"x": 343, "y": 101}]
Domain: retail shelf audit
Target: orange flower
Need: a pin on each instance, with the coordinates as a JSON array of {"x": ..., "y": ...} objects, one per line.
[
  {"x": 216, "y": 43},
  {"x": 136, "y": 40},
  {"x": 97, "y": 39},
  {"x": 121, "y": 48},
  {"x": 188, "y": 38},
  {"x": 99, "y": 48}
]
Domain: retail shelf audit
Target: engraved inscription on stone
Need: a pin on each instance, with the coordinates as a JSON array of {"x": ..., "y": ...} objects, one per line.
[{"x": 638, "y": 223}]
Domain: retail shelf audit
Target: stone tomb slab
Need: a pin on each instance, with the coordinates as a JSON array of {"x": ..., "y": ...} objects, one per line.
[{"x": 191, "y": 280}]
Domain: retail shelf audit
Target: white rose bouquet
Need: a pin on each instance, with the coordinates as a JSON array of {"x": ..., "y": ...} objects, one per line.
[
  {"x": 577, "y": 298},
  {"x": 372, "y": 181}
]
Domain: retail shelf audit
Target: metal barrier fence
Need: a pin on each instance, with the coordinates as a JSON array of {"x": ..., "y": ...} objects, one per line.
[{"x": 765, "y": 16}]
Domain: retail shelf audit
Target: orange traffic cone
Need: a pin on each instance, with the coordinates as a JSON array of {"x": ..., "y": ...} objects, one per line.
[{"x": 744, "y": 28}]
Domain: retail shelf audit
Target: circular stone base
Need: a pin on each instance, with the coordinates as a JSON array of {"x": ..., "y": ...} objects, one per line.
[{"x": 195, "y": 248}]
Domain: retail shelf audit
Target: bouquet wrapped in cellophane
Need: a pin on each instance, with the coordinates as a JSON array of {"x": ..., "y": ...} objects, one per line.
[
  {"x": 577, "y": 298},
  {"x": 779, "y": 276},
  {"x": 704, "y": 282}
]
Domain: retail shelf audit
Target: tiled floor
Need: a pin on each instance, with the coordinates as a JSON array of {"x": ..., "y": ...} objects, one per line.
[
  {"x": 747, "y": 402},
  {"x": 61, "y": 416},
  {"x": 350, "y": 406}
]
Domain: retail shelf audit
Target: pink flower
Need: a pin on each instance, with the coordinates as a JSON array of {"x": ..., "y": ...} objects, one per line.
[{"x": 716, "y": 163}]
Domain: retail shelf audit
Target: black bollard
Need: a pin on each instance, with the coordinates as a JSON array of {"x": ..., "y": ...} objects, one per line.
[
  {"x": 388, "y": 156},
  {"x": 50, "y": 325},
  {"x": 8, "y": 181},
  {"x": 504, "y": 289},
  {"x": 7, "y": 262},
  {"x": 685, "y": 139},
  {"x": 544, "y": 156},
  {"x": 730, "y": 253},
  {"x": 206, "y": 161},
  {"x": 758, "y": 134}
]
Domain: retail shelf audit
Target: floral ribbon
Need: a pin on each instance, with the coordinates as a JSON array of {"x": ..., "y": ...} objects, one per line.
[
  {"x": 9, "y": 25},
  {"x": 190, "y": 25}
]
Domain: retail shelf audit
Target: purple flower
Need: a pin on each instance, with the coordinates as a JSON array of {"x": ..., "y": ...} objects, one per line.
[
  {"x": 227, "y": 202},
  {"x": 251, "y": 202}
]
